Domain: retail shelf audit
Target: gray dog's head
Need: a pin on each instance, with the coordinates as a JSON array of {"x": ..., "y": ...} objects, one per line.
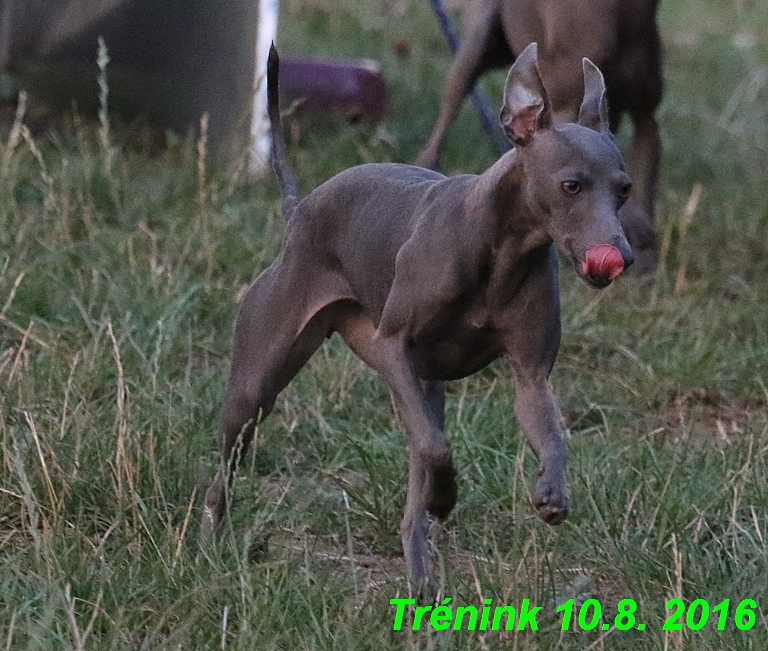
[{"x": 575, "y": 180}]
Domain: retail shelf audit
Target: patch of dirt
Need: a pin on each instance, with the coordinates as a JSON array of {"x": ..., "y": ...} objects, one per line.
[
  {"x": 373, "y": 570},
  {"x": 705, "y": 409}
]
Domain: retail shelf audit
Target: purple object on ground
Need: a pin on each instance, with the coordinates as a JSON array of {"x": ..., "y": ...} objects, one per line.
[{"x": 355, "y": 89}]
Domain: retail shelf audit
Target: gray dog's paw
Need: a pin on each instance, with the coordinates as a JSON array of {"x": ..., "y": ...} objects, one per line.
[{"x": 551, "y": 502}]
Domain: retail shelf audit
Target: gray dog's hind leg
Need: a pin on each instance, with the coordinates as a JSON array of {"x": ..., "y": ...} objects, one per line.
[{"x": 267, "y": 355}]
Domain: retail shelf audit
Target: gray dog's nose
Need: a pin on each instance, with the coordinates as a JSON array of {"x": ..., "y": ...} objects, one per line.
[{"x": 627, "y": 254}]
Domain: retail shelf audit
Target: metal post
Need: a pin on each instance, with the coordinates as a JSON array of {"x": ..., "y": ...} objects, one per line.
[{"x": 260, "y": 138}]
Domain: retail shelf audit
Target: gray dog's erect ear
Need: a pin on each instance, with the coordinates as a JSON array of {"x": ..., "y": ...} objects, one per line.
[
  {"x": 526, "y": 107},
  {"x": 594, "y": 107}
]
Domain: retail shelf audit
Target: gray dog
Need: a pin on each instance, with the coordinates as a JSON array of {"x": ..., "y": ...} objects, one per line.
[
  {"x": 620, "y": 36},
  {"x": 429, "y": 279}
]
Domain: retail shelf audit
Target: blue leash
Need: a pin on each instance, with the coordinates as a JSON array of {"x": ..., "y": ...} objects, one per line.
[{"x": 483, "y": 106}]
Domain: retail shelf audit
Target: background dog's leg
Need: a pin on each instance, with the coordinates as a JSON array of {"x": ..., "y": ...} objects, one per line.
[
  {"x": 267, "y": 355},
  {"x": 638, "y": 215},
  {"x": 474, "y": 57}
]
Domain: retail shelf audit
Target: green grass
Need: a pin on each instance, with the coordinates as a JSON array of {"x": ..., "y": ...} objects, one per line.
[{"x": 119, "y": 284}]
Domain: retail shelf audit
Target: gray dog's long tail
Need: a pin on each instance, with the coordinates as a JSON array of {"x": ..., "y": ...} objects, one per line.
[{"x": 279, "y": 156}]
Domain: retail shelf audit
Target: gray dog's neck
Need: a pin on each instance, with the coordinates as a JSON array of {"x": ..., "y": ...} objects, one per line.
[{"x": 498, "y": 200}]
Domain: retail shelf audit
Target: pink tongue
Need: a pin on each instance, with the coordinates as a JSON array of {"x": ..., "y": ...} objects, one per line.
[{"x": 603, "y": 261}]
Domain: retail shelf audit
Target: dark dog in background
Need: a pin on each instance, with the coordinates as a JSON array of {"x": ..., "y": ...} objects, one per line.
[{"x": 620, "y": 36}]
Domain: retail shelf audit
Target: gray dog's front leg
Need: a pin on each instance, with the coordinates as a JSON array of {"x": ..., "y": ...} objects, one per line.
[
  {"x": 539, "y": 417},
  {"x": 426, "y": 439},
  {"x": 414, "y": 529},
  {"x": 431, "y": 477}
]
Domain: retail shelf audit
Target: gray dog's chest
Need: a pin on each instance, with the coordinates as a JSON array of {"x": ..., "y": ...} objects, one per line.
[
  {"x": 456, "y": 353},
  {"x": 453, "y": 336}
]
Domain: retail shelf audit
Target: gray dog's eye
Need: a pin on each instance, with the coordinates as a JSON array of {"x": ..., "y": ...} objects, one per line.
[{"x": 571, "y": 187}]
